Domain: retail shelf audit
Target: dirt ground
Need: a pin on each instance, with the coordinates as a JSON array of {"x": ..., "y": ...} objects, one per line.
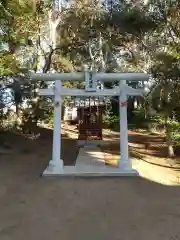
[
  {"x": 32, "y": 207},
  {"x": 149, "y": 148}
]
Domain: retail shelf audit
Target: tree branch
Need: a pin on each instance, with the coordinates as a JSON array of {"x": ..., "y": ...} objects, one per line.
[
  {"x": 48, "y": 59},
  {"x": 5, "y": 10}
]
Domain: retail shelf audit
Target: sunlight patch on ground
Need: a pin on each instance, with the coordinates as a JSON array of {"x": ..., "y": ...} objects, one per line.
[
  {"x": 148, "y": 171},
  {"x": 157, "y": 174},
  {"x": 95, "y": 155},
  {"x": 111, "y": 159}
]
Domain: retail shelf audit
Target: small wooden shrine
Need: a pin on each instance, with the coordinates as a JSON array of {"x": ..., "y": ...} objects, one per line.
[{"x": 90, "y": 120}]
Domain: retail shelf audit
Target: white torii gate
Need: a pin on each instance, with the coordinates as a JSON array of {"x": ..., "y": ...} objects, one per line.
[{"x": 56, "y": 166}]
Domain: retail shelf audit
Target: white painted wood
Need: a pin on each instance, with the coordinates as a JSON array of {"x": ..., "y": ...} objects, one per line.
[
  {"x": 90, "y": 84},
  {"x": 56, "y": 76},
  {"x": 132, "y": 91},
  {"x": 56, "y": 164},
  {"x": 92, "y": 171},
  {"x": 112, "y": 77},
  {"x": 79, "y": 76},
  {"x": 124, "y": 162},
  {"x": 80, "y": 92}
]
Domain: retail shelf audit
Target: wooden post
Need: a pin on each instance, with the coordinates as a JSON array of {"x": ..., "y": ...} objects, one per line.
[
  {"x": 56, "y": 164},
  {"x": 124, "y": 162}
]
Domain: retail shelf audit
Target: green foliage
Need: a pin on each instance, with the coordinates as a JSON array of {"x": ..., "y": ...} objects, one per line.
[
  {"x": 8, "y": 65},
  {"x": 138, "y": 121},
  {"x": 110, "y": 121},
  {"x": 175, "y": 131}
]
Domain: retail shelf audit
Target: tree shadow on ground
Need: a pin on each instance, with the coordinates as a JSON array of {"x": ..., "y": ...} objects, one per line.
[
  {"x": 40, "y": 147},
  {"x": 151, "y": 149}
]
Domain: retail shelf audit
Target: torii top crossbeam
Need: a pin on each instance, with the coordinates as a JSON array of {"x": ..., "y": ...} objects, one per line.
[{"x": 80, "y": 76}]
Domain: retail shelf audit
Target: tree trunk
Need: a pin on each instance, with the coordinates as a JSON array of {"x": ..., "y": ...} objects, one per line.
[
  {"x": 53, "y": 24},
  {"x": 168, "y": 138},
  {"x": 165, "y": 96}
]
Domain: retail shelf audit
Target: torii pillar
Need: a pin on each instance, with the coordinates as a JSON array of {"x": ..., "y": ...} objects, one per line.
[
  {"x": 124, "y": 162},
  {"x": 56, "y": 165}
]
